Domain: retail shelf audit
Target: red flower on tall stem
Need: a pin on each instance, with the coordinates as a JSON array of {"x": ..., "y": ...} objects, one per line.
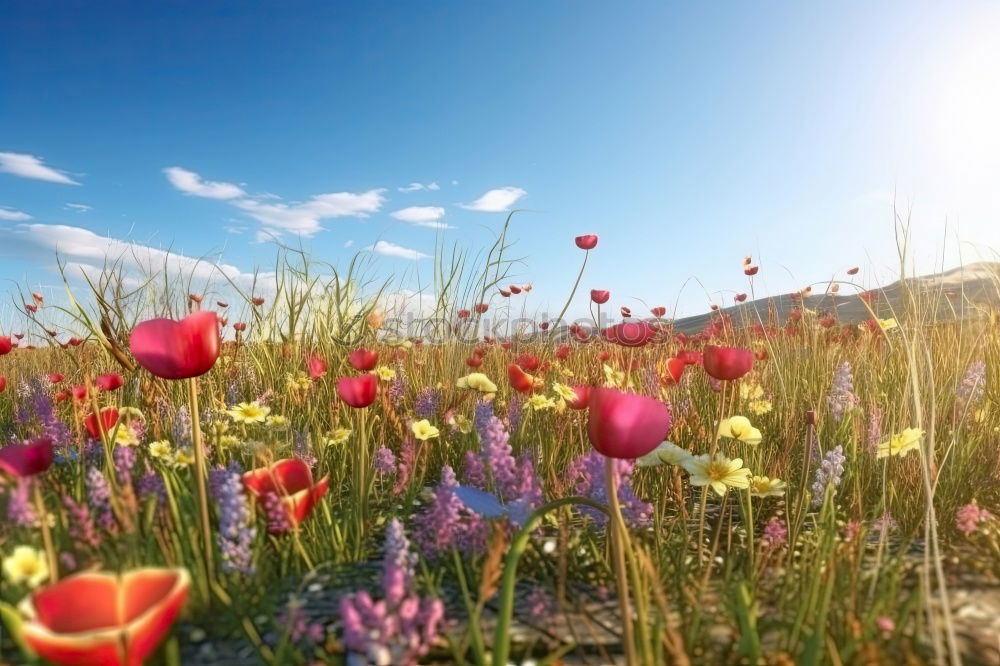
[
  {"x": 177, "y": 349},
  {"x": 358, "y": 392},
  {"x": 625, "y": 425},
  {"x": 727, "y": 363},
  {"x": 586, "y": 242},
  {"x": 600, "y": 296},
  {"x": 33, "y": 457},
  {"x": 363, "y": 360}
]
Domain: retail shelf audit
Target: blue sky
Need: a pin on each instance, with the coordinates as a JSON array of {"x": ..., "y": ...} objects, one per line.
[{"x": 686, "y": 135}]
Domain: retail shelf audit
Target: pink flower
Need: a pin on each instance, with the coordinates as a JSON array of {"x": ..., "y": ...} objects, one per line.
[{"x": 626, "y": 425}]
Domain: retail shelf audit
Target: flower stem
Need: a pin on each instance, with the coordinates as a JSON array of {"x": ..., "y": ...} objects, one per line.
[
  {"x": 43, "y": 521},
  {"x": 616, "y": 530},
  {"x": 571, "y": 294},
  {"x": 201, "y": 473}
]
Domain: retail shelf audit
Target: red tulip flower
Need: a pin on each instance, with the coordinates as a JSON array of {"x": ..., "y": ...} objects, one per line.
[
  {"x": 474, "y": 361},
  {"x": 520, "y": 380},
  {"x": 109, "y": 382},
  {"x": 675, "y": 368},
  {"x": 317, "y": 367},
  {"x": 544, "y": 326},
  {"x": 31, "y": 307},
  {"x": 109, "y": 418},
  {"x": 514, "y": 289},
  {"x": 504, "y": 293},
  {"x": 363, "y": 360},
  {"x": 852, "y": 271},
  {"x": 33, "y": 457},
  {"x": 101, "y": 618},
  {"x": 177, "y": 349},
  {"x": 727, "y": 363},
  {"x": 79, "y": 392},
  {"x": 464, "y": 314},
  {"x": 5, "y": 345},
  {"x": 74, "y": 342},
  {"x": 582, "y": 398},
  {"x": 56, "y": 377},
  {"x": 257, "y": 300},
  {"x": 358, "y": 392},
  {"x": 291, "y": 481},
  {"x": 481, "y": 307},
  {"x": 631, "y": 333},
  {"x": 658, "y": 311},
  {"x": 562, "y": 352},
  {"x": 626, "y": 311},
  {"x": 528, "y": 362},
  {"x": 739, "y": 298},
  {"x": 239, "y": 326},
  {"x": 626, "y": 425},
  {"x": 587, "y": 241},
  {"x": 600, "y": 296}
]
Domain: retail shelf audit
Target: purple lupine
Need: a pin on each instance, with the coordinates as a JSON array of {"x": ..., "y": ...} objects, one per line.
[
  {"x": 385, "y": 461},
  {"x": 874, "y": 435},
  {"x": 278, "y": 521},
  {"x": 151, "y": 485},
  {"x": 99, "y": 499},
  {"x": 514, "y": 414},
  {"x": 427, "y": 403},
  {"x": 20, "y": 509},
  {"x": 968, "y": 518},
  {"x": 829, "y": 473},
  {"x": 473, "y": 472},
  {"x": 236, "y": 530},
  {"x": 587, "y": 476},
  {"x": 775, "y": 534},
  {"x": 446, "y": 523},
  {"x": 500, "y": 463},
  {"x": 81, "y": 524},
  {"x": 397, "y": 387},
  {"x": 971, "y": 389},
  {"x": 842, "y": 398},
  {"x": 482, "y": 413},
  {"x": 124, "y": 459},
  {"x": 401, "y": 627}
]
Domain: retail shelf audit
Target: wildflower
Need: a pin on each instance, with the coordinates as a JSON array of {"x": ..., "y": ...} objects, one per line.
[
  {"x": 160, "y": 449},
  {"x": 841, "y": 398},
  {"x": 385, "y": 373},
  {"x": 236, "y": 531},
  {"x": 563, "y": 391},
  {"x": 446, "y": 523},
  {"x": 99, "y": 499},
  {"x": 626, "y": 425},
  {"x": 26, "y": 565},
  {"x": 613, "y": 378},
  {"x": 969, "y": 517},
  {"x": 775, "y": 533},
  {"x": 538, "y": 403},
  {"x": 338, "y": 436},
  {"x": 901, "y": 443},
  {"x": 177, "y": 349},
  {"x": 358, "y": 392},
  {"x": 719, "y": 473},
  {"x": 588, "y": 478},
  {"x": 459, "y": 422},
  {"x": 971, "y": 389},
  {"x": 888, "y": 324},
  {"x": 727, "y": 363},
  {"x": 298, "y": 383},
  {"x": 290, "y": 482},
  {"x": 385, "y": 461},
  {"x": 125, "y": 436},
  {"x": 762, "y": 486},
  {"x": 477, "y": 381},
  {"x": 885, "y": 626},
  {"x": 760, "y": 407},
  {"x": 427, "y": 403},
  {"x": 363, "y": 360},
  {"x": 81, "y": 524},
  {"x": 828, "y": 474},
  {"x": 739, "y": 427},
  {"x": 277, "y": 421},
  {"x": 249, "y": 412},
  {"x": 423, "y": 430},
  {"x": 586, "y": 241},
  {"x": 666, "y": 452},
  {"x": 32, "y": 457},
  {"x": 182, "y": 458}
]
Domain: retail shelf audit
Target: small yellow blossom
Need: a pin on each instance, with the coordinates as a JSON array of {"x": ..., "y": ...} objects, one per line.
[
  {"x": 423, "y": 430},
  {"x": 901, "y": 443},
  {"x": 720, "y": 474},
  {"x": 226, "y": 441},
  {"x": 249, "y": 412},
  {"x": 26, "y": 565},
  {"x": 613, "y": 378},
  {"x": 760, "y": 407},
  {"x": 385, "y": 373},
  {"x": 477, "y": 381},
  {"x": 563, "y": 391},
  {"x": 667, "y": 452},
  {"x": 338, "y": 436},
  {"x": 888, "y": 324},
  {"x": 277, "y": 421},
  {"x": 762, "y": 486},
  {"x": 751, "y": 391},
  {"x": 539, "y": 402},
  {"x": 739, "y": 427},
  {"x": 125, "y": 436},
  {"x": 298, "y": 382},
  {"x": 160, "y": 449},
  {"x": 182, "y": 458},
  {"x": 459, "y": 422}
]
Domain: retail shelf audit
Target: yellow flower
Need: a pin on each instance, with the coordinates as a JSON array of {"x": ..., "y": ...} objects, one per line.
[
  {"x": 888, "y": 324},
  {"x": 226, "y": 441},
  {"x": 760, "y": 407},
  {"x": 125, "y": 436},
  {"x": 613, "y": 378},
  {"x": 667, "y": 452},
  {"x": 563, "y": 391},
  {"x": 26, "y": 565},
  {"x": 385, "y": 373},
  {"x": 277, "y": 421},
  {"x": 751, "y": 391},
  {"x": 160, "y": 449},
  {"x": 720, "y": 474},
  {"x": 423, "y": 430},
  {"x": 901, "y": 443},
  {"x": 739, "y": 427},
  {"x": 477, "y": 381},
  {"x": 249, "y": 412},
  {"x": 539, "y": 402},
  {"x": 182, "y": 457},
  {"x": 299, "y": 382},
  {"x": 762, "y": 486},
  {"x": 338, "y": 436}
]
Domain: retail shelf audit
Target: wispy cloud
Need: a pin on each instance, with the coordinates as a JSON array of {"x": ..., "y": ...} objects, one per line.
[
  {"x": 276, "y": 216},
  {"x": 388, "y": 249},
  {"x": 80, "y": 208},
  {"x": 496, "y": 201},
  {"x": 30, "y": 166},
  {"x": 13, "y": 215},
  {"x": 191, "y": 183},
  {"x": 422, "y": 216},
  {"x": 417, "y": 187},
  {"x": 348, "y": 243}
]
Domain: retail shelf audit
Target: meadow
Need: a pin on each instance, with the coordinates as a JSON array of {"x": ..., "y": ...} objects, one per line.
[{"x": 301, "y": 474}]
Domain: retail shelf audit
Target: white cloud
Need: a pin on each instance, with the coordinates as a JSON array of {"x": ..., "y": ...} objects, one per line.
[
  {"x": 388, "y": 249},
  {"x": 13, "y": 215},
  {"x": 422, "y": 216},
  {"x": 29, "y": 166},
  {"x": 454, "y": 182},
  {"x": 80, "y": 208},
  {"x": 191, "y": 183},
  {"x": 496, "y": 201},
  {"x": 86, "y": 253},
  {"x": 348, "y": 243},
  {"x": 277, "y": 216},
  {"x": 416, "y": 187}
]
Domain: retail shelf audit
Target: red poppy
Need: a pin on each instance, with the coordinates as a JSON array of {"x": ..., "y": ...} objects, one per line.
[
  {"x": 544, "y": 326},
  {"x": 581, "y": 333},
  {"x": 739, "y": 298},
  {"x": 658, "y": 311},
  {"x": 528, "y": 362},
  {"x": 363, "y": 359},
  {"x": 109, "y": 418},
  {"x": 514, "y": 289},
  {"x": 33, "y": 457},
  {"x": 474, "y": 361},
  {"x": 74, "y": 342},
  {"x": 626, "y": 311},
  {"x": 31, "y": 307},
  {"x": 358, "y": 392},
  {"x": 827, "y": 321},
  {"x": 177, "y": 349},
  {"x": 102, "y": 618},
  {"x": 604, "y": 356},
  {"x": 600, "y": 296},
  {"x": 520, "y": 380},
  {"x": 481, "y": 307},
  {"x": 675, "y": 368},
  {"x": 5, "y": 345},
  {"x": 56, "y": 377},
  {"x": 239, "y": 326},
  {"x": 562, "y": 352},
  {"x": 750, "y": 268},
  {"x": 317, "y": 367},
  {"x": 504, "y": 293},
  {"x": 760, "y": 354},
  {"x": 480, "y": 351},
  {"x": 727, "y": 363},
  {"x": 795, "y": 314},
  {"x": 109, "y": 382},
  {"x": 507, "y": 345},
  {"x": 626, "y": 425},
  {"x": 292, "y": 481},
  {"x": 587, "y": 241},
  {"x": 582, "y": 398},
  {"x": 852, "y": 271},
  {"x": 257, "y": 300},
  {"x": 631, "y": 333},
  {"x": 464, "y": 314}
]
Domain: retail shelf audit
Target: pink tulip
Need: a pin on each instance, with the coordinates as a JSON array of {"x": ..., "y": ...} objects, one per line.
[{"x": 626, "y": 425}]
